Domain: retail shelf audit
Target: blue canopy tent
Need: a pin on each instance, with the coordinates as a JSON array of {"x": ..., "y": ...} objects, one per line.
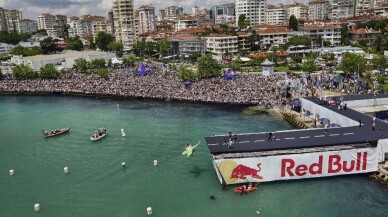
[
  {"x": 230, "y": 74},
  {"x": 143, "y": 70},
  {"x": 187, "y": 82},
  {"x": 334, "y": 125}
]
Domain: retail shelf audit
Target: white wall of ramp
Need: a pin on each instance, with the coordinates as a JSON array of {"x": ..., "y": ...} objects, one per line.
[
  {"x": 382, "y": 149},
  {"x": 327, "y": 113},
  {"x": 367, "y": 102}
]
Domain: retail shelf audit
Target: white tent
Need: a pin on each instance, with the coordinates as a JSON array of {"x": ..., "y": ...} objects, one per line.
[{"x": 116, "y": 61}]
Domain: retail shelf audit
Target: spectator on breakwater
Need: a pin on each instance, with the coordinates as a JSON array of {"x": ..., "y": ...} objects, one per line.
[{"x": 247, "y": 89}]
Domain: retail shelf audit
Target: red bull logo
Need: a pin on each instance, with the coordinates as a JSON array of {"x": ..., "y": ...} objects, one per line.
[{"x": 242, "y": 171}]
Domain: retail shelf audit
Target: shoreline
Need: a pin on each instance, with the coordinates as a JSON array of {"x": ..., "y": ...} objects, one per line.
[{"x": 107, "y": 96}]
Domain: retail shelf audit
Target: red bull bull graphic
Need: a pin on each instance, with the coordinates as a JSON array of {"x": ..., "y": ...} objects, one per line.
[
  {"x": 241, "y": 171},
  {"x": 298, "y": 166}
]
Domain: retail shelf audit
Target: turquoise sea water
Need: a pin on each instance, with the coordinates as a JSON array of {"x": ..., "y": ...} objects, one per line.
[{"x": 178, "y": 186}]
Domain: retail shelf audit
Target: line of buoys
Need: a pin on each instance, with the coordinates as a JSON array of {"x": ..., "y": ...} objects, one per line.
[
  {"x": 36, "y": 207},
  {"x": 155, "y": 162},
  {"x": 149, "y": 211},
  {"x": 11, "y": 172}
]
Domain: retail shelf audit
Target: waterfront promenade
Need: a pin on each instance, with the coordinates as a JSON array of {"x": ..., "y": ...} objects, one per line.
[{"x": 248, "y": 89}]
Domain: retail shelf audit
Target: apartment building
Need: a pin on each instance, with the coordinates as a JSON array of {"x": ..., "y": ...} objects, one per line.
[
  {"x": 299, "y": 10},
  {"x": 254, "y": 10},
  {"x": 46, "y": 21},
  {"x": 224, "y": 13},
  {"x": 26, "y": 26},
  {"x": 329, "y": 32},
  {"x": 276, "y": 14},
  {"x": 185, "y": 23},
  {"x": 273, "y": 37},
  {"x": 221, "y": 44},
  {"x": 9, "y": 19},
  {"x": 147, "y": 19},
  {"x": 124, "y": 22},
  {"x": 343, "y": 9},
  {"x": 319, "y": 10}
]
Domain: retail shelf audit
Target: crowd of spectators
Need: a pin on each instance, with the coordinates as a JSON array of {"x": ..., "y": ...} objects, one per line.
[{"x": 246, "y": 89}]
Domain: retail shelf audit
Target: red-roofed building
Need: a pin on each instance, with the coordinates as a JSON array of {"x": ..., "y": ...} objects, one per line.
[
  {"x": 221, "y": 44},
  {"x": 244, "y": 41},
  {"x": 328, "y": 32},
  {"x": 185, "y": 23},
  {"x": 362, "y": 34},
  {"x": 274, "y": 37}
]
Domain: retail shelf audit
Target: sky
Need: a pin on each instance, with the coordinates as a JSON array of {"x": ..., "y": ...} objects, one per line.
[{"x": 33, "y": 8}]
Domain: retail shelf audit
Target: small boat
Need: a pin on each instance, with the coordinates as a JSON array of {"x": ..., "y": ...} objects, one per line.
[
  {"x": 55, "y": 132},
  {"x": 244, "y": 189},
  {"x": 99, "y": 134}
]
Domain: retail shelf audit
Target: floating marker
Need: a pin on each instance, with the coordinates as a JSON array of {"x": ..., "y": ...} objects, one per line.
[
  {"x": 123, "y": 164},
  {"x": 149, "y": 211},
  {"x": 118, "y": 105},
  {"x": 66, "y": 170},
  {"x": 36, "y": 207},
  {"x": 122, "y": 132},
  {"x": 11, "y": 172},
  {"x": 155, "y": 162}
]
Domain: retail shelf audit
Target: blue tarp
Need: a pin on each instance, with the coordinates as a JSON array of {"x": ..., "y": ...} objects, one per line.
[
  {"x": 230, "y": 74},
  {"x": 143, "y": 70}
]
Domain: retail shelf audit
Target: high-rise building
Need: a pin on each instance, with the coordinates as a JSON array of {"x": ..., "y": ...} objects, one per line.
[
  {"x": 161, "y": 15},
  {"x": 319, "y": 9},
  {"x": 255, "y": 11},
  {"x": 362, "y": 6},
  {"x": 194, "y": 10},
  {"x": 224, "y": 13},
  {"x": 61, "y": 19},
  {"x": 124, "y": 22},
  {"x": 179, "y": 11},
  {"x": 46, "y": 21},
  {"x": 26, "y": 26},
  {"x": 147, "y": 21},
  {"x": 343, "y": 9},
  {"x": 9, "y": 19},
  {"x": 299, "y": 10},
  {"x": 171, "y": 11},
  {"x": 276, "y": 14}
]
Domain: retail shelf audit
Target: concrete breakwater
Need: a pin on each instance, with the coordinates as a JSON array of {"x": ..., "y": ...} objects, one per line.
[{"x": 381, "y": 175}]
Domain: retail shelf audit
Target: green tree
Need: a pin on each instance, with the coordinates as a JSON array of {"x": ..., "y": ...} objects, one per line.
[
  {"x": 194, "y": 57},
  {"x": 243, "y": 22},
  {"x": 163, "y": 46},
  {"x": 24, "y": 72},
  {"x": 293, "y": 23},
  {"x": 117, "y": 47},
  {"x": 74, "y": 43},
  {"x": 1, "y": 74},
  {"x": 81, "y": 64},
  {"x": 139, "y": 47},
  {"x": 98, "y": 63},
  {"x": 13, "y": 37},
  {"x": 236, "y": 64},
  {"x": 49, "y": 46},
  {"x": 353, "y": 63},
  {"x": 298, "y": 40},
  {"x": 208, "y": 67},
  {"x": 103, "y": 72},
  {"x": 380, "y": 62},
  {"x": 309, "y": 65},
  {"x": 381, "y": 43},
  {"x": 257, "y": 61},
  {"x": 102, "y": 40},
  {"x": 19, "y": 50},
  {"x": 48, "y": 71},
  {"x": 186, "y": 74},
  {"x": 130, "y": 60},
  {"x": 345, "y": 34}
]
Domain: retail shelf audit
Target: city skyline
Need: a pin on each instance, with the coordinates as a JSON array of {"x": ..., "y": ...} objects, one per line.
[{"x": 32, "y": 9}]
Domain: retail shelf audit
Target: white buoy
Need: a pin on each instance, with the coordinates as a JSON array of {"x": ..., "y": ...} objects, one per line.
[
  {"x": 118, "y": 105},
  {"x": 122, "y": 132},
  {"x": 155, "y": 162},
  {"x": 65, "y": 169},
  {"x": 11, "y": 172},
  {"x": 149, "y": 211},
  {"x": 36, "y": 207},
  {"x": 123, "y": 164}
]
